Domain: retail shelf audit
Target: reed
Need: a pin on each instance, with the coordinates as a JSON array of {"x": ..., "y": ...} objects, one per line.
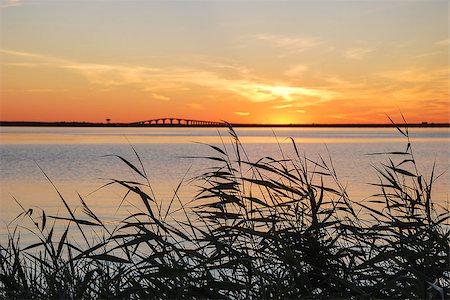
[{"x": 262, "y": 229}]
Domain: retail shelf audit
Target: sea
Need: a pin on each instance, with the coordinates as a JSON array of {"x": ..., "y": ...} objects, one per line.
[{"x": 40, "y": 166}]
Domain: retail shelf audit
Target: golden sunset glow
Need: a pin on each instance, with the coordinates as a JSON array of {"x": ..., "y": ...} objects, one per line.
[{"x": 243, "y": 62}]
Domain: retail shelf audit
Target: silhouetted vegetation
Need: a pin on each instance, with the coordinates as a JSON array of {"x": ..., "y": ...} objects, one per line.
[{"x": 265, "y": 229}]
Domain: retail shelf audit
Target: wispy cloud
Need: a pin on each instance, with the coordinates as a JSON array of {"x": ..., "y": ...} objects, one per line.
[
  {"x": 197, "y": 106},
  {"x": 416, "y": 75},
  {"x": 160, "y": 97},
  {"x": 240, "y": 113},
  {"x": 309, "y": 102},
  {"x": 427, "y": 54},
  {"x": 338, "y": 83},
  {"x": 236, "y": 69},
  {"x": 443, "y": 42},
  {"x": 289, "y": 44},
  {"x": 41, "y": 90},
  {"x": 10, "y": 3},
  {"x": 357, "y": 53},
  {"x": 23, "y": 64},
  {"x": 296, "y": 70},
  {"x": 282, "y": 106},
  {"x": 160, "y": 82},
  {"x": 112, "y": 75},
  {"x": 293, "y": 42},
  {"x": 257, "y": 92},
  {"x": 29, "y": 55}
]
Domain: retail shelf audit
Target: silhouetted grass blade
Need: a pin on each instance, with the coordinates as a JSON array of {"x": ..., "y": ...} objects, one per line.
[{"x": 133, "y": 167}]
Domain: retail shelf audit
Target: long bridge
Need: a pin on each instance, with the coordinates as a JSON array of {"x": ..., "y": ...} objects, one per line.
[{"x": 178, "y": 122}]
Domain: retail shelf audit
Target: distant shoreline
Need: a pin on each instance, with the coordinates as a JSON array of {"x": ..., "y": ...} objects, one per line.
[{"x": 88, "y": 124}]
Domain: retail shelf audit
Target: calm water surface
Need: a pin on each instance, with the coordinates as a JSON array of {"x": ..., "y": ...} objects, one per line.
[{"x": 76, "y": 161}]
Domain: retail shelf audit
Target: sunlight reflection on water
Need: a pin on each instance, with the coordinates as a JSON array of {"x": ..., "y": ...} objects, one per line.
[{"x": 74, "y": 159}]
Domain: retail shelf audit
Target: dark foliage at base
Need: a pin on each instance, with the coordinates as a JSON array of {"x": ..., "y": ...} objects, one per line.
[{"x": 265, "y": 229}]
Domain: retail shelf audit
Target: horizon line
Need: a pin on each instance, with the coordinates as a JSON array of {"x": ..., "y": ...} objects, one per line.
[{"x": 216, "y": 124}]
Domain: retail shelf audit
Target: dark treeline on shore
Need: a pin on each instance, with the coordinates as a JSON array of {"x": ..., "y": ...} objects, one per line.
[{"x": 224, "y": 124}]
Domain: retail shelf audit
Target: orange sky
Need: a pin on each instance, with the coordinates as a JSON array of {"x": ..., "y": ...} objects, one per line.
[{"x": 246, "y": 62}]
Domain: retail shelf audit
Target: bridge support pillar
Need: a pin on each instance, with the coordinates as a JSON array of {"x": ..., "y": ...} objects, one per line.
[{"x": 179, "y": 121}]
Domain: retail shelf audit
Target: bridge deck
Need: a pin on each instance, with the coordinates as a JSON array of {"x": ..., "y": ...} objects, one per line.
[{"x": 178, "y": 121}]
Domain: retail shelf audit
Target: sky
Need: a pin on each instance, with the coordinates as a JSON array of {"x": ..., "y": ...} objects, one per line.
[{"x": 239, "y": 61}]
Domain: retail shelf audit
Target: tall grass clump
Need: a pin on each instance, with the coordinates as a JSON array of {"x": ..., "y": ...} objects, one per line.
[
  {"x": 270, "y": 228},
  {"x": 410, "y": 234},
  {"x": 274, "y": 226}
]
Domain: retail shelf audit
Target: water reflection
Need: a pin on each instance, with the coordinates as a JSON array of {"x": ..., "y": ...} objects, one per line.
[
  {"x": 50, "y": 135},
  {"x": 74, "y": 159}
]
